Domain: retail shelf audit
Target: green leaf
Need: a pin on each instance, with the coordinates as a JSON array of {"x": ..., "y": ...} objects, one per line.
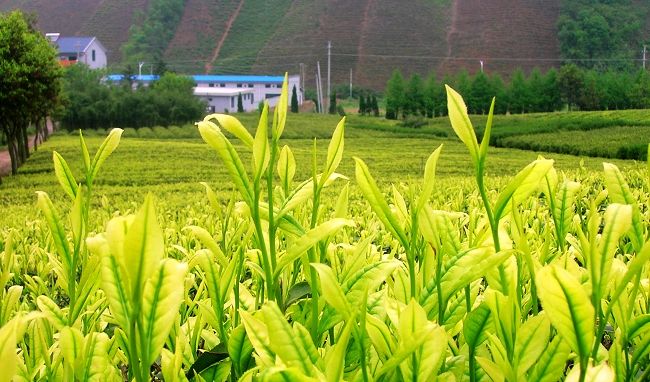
[
  {"x": 258, "y": 334},
  {"x": 335, "y": 150},
  {"x": 240, "y": 349},
  {"x": 532, "y": 339},
  {"x": 309, "y": 239},
  {"x": 619, "y": 192},
  {"x": 335, "y": 358},
  {"x": 522, "y": 186},
  {"x": 143, "y": 247},
  {"x": 71, "y": 342},
  {"x": 280, "y": 114},
  {"x": 84, "y": 153},
  {"x": 162, "y": 297},
  {"x": 231, "y": 125},
  {"x": 429, "y": 178},
  {"x": 460, "y": 122},
  {"x": 485, "y": 142},
  {"x": 551, "y": 364},
  {"x": 208, "y": 241},
  {"x": 57, "y": 230},
  {"x": 284, "y": 343},
  {"x": 286, "y": 167},
  {"x": 471, "y": 265},
  {"x": 341, "y": 207},
  {"x": 372, "y": 194},
  {"x": 105, "y": 150},
  {"x": 64, "y": 175},
  {"x": 564, "y": 210},
  {"x": 113, "y": 279},
  {"x": 634, "y": 267},
  {"x": 208, "y": 359},
  {"x": 10, "y": 334},
  {"x": 296, "y": 293},
  {"x": 215, "y": 138},
  {"x": 476, "y": 325},
  {"x": 617, "y": 221},
  {"x": 568, "y": 308},
  {"x": 261, "y": 153},
  {"x": 331, "y": 290},
  {"x": 54, "y": 315},
  {"x": 380, "y": 337}
]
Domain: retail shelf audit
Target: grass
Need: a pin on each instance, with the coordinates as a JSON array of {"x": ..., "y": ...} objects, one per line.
[{"x": 170, "y": 162}]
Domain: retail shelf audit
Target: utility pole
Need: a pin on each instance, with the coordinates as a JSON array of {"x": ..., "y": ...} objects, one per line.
[
  {"x": 319, "y": 87},
  {"x": 140, "y": 69},
  {"x": 329, "y": 59},
  {"x": 481, "y": 66},
  {"x": 644, "y": 50},
  {"x": 302, "y": 82}
]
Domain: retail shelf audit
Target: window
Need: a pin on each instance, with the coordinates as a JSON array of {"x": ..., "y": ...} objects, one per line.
[
  {"x": 211, "y": 85},
  {"x": 209, "y": 99},
  {"x": 232, "y": 101},
  {"x": 250, "y": 85},
  {"x": 252, "y": 99},
  {"x": 222, "y": 85},
  {"x": 93, "y": 55},
  {"x": 267, "y": 86},
  {"x": 238, "y": 85}
]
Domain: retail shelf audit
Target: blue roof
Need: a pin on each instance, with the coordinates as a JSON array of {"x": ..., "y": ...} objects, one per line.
[
  {"x": 73, "y": 44},
  {"x": 237, "y": 78}
]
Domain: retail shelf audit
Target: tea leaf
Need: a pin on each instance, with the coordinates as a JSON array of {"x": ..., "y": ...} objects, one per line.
[
  {"x": 309, "y": 239},
  {"x": 143, "y": 247},
  {"x": 532, "y": 339},
  {"x": 286, "y": 167},
  {"x": 470, "y": 266},
  {"x": 550, "y": 366},
  {"x": 460, "y": 122},
  {"x": 280, "y": 114},
  {"x": 105, "y": 150},
  {"x": 485, "y": 141},
  {"x": 56, "y": 229},
  {"x": 522, "y": 186},
  {"x": 332, "y": 292},
  {"x": 476, "y": 324},
  {"x": 64, "y": 175},
  {"x": 335, "y": 359},
  {"x": 258, "y": 334},
  {"x": 231, "y": 125},
  {"x": 162, "y": 297},
  {"x": 261, "y": 153},
  {"x": 619, "y": 192},
  {"x": 335, "y": 150},
  {"x": 377, "y": 202},
  {"x": 206, "y": 239},
  {"x": 52, "y": 312},
  {"x": 429, "y": 178},
  {"x": 568, "y": 308},
  {"x": 617, "y": 221},
  {"x": 240, "y": 349}
]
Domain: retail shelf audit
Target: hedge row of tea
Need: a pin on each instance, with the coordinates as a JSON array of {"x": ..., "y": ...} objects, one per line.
[{"x": 542, "y": 279}]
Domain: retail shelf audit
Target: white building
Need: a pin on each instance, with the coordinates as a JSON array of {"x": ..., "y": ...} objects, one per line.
[
  {"x": 87, "y": 50},
  {"x": 262, "y": 88},
  {"x": 225, "y": 99}
]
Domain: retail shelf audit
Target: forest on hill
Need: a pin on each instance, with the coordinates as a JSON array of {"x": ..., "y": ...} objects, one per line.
[{"x": 369, "y": 38}]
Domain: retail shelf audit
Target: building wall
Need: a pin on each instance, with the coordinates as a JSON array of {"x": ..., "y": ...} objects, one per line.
[
  {"x": 262, "y": 91},
  {"x": 100, "y": 56},
  {"x": 221, "y": 103}
]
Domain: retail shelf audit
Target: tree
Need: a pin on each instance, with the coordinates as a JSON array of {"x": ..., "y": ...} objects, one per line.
[
  {"x": 518, "y": 93},
  {"x": 414, "y": 97},
  {"x": 481, "y": 95},
  {"x": 362, "y": 105},
  {"x": 332, "y": 109},
  {"x": 394, "y": 95},
  {"x": 240, "y": 104},
  {"x": 570, "y": 82},
  {"x": 29, "y": 82},
  {"x": 294, "y": 100},
  {"x": 551, "y": 91},
  {"x": 375, "y": 106}
]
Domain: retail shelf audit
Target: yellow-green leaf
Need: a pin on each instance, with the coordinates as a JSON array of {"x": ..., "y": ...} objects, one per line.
[
  {"x": 460, "y": 122},
  {"x": 429, "y": 178},
  {"x": 286, "y": 167},
  {"x": 64, "y": 175},
  {"x": 335, "y": 150},
  {"x": 261, "y": 153},
  {"x": 105, "y": 150},
  {"x": 568, "y": 308},
  {"x": 231, "y": 125},
  {"x": 331, "y": 289},
  {"x": 522, "y": 186}
]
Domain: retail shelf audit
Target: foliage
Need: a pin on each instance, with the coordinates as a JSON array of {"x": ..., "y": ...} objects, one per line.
[
  {"x": 148, "y": 41},
  {"x": 395, "y": 95},
  {"x": 296, "y": 274},
  {"x": 240, "y": 104},
  {"x": 294, "y": 100},
  {"x": 93, "y": 104},
  {"x": 332, "y": 103},
  {"x": 29, "y": 82}
]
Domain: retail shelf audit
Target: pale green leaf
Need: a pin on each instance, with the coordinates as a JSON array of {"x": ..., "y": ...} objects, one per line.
[
  {"x": 143, "y": 247},
  {"x": 619, "y": 192},
  {"x": 309, "y": 239},
  {"x": 617, "y": 221},
  {"x": 286, "y": 167},
  {"x": 372, "y": 194},
  {"x": 485, "y": 141},
  {"x": 568, "y": 307},
  {"x": 280, "y": 114},
  {"x": 208, "y": 241},
  {"x": 522, "y": 186},
  {"x": 532, "y": 338},
  {"x": 71, "y": 342},
  {"x": 231, "y": 125},
  {"x": 331, "y": 290},
  {"x": 550, "y": 367},
  {"x": 64, "y": 175},
  {"x": 335, "y": 358},
  {"x": 471, "y": 265},
  {"x": 215, "y": 138},
  {"x": 429, "y": 178},
  {"x": 240, "y": 349},
  {"x": 55, "y": 316},
  {"x": 56, "y": 229},
  {"x": 162, "y": 297},
  {"x": 259, "y": 336},
  {"x": 475, "y": 326},
  {"x": 105, "y": 150},
  {"x": 335, "y": 150},
  {"x": 460, "y": 122},
  {"x": 84, "y": 152},
  {"x": 261, "y": 149}
]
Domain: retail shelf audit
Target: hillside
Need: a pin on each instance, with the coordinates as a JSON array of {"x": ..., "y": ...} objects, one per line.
[{"x": 369, "y": 37}]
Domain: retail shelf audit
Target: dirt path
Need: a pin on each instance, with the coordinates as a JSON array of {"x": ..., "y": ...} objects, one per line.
[
  {"x": 5, "y": 159},
  {"x": 215, "y": 54}
]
